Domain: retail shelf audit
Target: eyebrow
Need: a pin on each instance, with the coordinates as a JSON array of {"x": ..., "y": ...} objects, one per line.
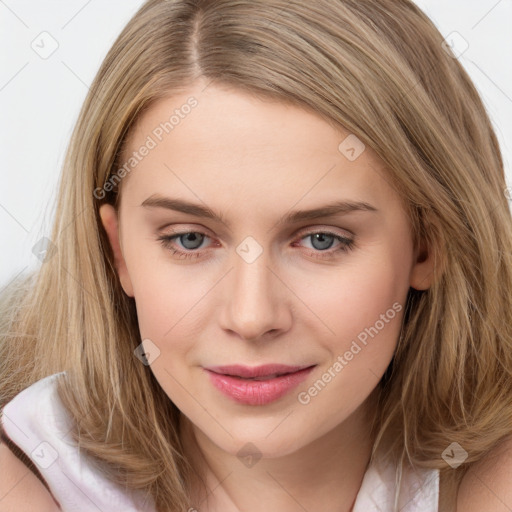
[{"x": 295, "y": 216}]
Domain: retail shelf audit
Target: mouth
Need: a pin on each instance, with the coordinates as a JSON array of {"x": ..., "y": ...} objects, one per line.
[
  {"x": 258, "y": 385},
  {"x": 263, "y": 372},
  {"x": 265, "y": 377}
]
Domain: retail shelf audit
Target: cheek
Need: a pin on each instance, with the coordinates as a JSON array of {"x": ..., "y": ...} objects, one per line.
[
  {"x": 363, "y": 309},
  {"x": 156, "y": 296},
  {"x": 169, "y": 300},
  {"x": 165, "y": 307},
  {"x": 354, "y": 296}
]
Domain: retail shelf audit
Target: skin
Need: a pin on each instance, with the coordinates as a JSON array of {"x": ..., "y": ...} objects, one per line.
[{"x": 254, "y": 161}]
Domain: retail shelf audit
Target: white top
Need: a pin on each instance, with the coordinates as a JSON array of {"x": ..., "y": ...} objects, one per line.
[
  {"x": 419, "y": 490},
  {"x": 37, "y": 422}
]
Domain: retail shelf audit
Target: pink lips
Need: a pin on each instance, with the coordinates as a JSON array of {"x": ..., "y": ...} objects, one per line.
[{"x": 236, "y": 381}]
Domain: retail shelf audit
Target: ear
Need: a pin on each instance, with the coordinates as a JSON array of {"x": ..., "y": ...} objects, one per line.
[
  {"x": 424, "y": 268},
  {"x": 110, "y": 221}
]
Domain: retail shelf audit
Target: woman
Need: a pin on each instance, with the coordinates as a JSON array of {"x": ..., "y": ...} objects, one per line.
[{"x": 222, "y": 120}]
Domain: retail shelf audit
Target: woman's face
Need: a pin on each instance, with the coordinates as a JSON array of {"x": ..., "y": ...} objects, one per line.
[{"x": 262, "y": 284}]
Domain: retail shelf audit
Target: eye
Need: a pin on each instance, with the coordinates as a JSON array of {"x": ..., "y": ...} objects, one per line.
[
  {"x": 191, "y": 240},
  {"x": 321, "y": 241}
]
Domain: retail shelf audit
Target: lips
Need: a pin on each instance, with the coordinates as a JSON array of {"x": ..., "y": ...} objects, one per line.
[
  {"x": 259, "y": 385},
  {"x": 263, "y": 372}
]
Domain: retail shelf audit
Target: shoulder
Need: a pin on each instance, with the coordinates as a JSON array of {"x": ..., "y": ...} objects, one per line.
[
  {"x": 487, "y": 486},
  {"x": 20, "y": 489}
]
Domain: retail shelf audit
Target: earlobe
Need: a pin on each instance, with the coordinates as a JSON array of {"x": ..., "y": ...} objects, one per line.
[{"x": 109, "y": 219}]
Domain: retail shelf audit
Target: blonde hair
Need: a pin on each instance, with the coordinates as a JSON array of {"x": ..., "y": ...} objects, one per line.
[{"x": 374, "y": 67}]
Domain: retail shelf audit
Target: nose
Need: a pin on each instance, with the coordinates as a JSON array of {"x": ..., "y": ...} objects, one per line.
[{"x": 256, "y": 300}]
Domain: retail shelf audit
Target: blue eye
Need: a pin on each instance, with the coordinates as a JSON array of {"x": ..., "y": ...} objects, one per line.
[
  {"x": 192, "y": 240},
  {"x": 322, "y": 237},
  {"x": 168, "y": 243}
]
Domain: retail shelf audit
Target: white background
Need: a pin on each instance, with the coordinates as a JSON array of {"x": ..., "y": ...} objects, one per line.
[{"x": 40, "y": 98}]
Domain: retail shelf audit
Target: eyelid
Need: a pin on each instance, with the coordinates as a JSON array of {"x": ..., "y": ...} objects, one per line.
[
  {"x": 319, "y": 228},
  {"x": 186, "y": 228}
]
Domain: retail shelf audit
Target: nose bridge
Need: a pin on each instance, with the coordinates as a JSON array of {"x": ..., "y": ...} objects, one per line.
[{"x": 255, "y": 299}]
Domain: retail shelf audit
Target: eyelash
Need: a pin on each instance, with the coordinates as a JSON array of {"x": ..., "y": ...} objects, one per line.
[{"x": 347, "y": 244}]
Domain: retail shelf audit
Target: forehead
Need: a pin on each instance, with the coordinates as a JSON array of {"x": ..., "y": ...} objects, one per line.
[{"x": 222, "y": 143}]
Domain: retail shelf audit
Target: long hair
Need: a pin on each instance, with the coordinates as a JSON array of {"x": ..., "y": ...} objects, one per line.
[{"x": 378, "y": 69}]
